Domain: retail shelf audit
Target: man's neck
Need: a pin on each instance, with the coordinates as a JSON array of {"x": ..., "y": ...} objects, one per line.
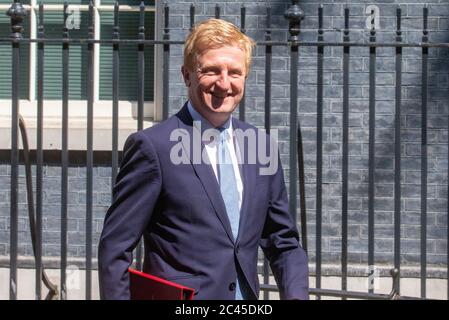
[{"x": 215, "y": 120}]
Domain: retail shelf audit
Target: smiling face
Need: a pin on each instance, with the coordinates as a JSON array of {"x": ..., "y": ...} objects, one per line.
[{"x": 216, "y": 84}]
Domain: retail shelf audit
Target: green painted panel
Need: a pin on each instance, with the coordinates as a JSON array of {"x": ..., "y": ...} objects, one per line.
[
  {"x": 128, "y": 83},
  {"x": 6, "y": 61},
  {"x": 78, "y": 55}
]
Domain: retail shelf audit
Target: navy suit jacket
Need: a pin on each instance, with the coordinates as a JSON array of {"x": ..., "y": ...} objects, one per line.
[{"x": 187, "y": 235}]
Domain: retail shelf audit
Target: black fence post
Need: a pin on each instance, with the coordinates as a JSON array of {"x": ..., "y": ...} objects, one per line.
[
  {"x": 89, "y": 152},
  {"x": 319, "y": 150},
  {"x": 268, "y": 63},
  {"x": 166, "y": 62},
  {"x": 371, "y": 152},
  {"x": 115, "y": 94},
  {"x": 397, "y": 155},
  {"x": 294, "y": 14},
  {"x": 424, "y": 147},
  {"x": 39, "y": 152},
  {"x": 64, "y": 152},
  {"x": 17, "y": 12},
  {"x": 243, "y": 30},
  {"x": 345, "y": 158}
]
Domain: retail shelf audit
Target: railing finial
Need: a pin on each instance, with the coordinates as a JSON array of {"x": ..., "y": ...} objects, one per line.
[
  {"x": 395, "y": 274},
  {"x": 294, "y": 15},
  {"x": 17, "y": 12}
]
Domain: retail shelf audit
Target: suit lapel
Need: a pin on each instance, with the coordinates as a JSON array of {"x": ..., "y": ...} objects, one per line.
[{"x": 204, "y": 171}]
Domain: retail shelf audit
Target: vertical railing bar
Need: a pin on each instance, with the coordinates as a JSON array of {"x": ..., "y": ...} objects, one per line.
[
  {"x": 217, "y": 11},
  {"x": 14, "y": 171},
  {"x": 192, "y": 16},
  {"x": 372, "y": 122},
  {"x": 39, "y": 153},
  {"x": 141, "y": 97},
  {"x": 345, "y": 164},
  {"x": 397, "y": 151},
  {"x": 141, "y": 66},
  {"x": 268, "y": 60},
  {"x": 64, "y": 152},
  {"x": 319, "y": 151},
  {"x": 301, "y": 183},
  {"x": 294, "y": 56},
  {"x": 425, "y": 52},
  {"x": 89, "y": 155},
  {"x": 166, "y": 63},
  {"x": 115, "y": 94},
  {"x": 242, "y": 29},
  {"x": 268, "y": 63},
  {"x": 302, "y": 186},
  {"x": 294, "y": 14},
  {"x": 16, "y": 12}
]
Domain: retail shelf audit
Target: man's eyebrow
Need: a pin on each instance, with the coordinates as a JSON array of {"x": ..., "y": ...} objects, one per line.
[
  {"x": 208, "y": 67},
  {"x": 214, "y": 67},
  {"x": 236, "y": 70}
]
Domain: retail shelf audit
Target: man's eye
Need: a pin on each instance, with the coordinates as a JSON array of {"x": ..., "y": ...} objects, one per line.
[
  {"x": 235, "y": 74},
  {"x": 209, "y": 72}
]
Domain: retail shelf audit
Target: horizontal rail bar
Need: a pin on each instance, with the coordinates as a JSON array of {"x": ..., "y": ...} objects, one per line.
[
  {"x": 100, "y": 41},
  {"x": 81, "y": 7},
  {"x": 263, "y": 43},
  {"x": 357, "y": 44},
  {"x": 342, "y": 293}
]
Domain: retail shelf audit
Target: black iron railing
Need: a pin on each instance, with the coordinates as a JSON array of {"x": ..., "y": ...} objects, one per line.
[{"x": 293, "y": 16}]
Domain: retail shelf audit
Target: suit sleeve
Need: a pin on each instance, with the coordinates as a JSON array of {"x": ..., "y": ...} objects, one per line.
[
  {"x": 280, "y": 243},
  {"x": 135, "y": 194}
]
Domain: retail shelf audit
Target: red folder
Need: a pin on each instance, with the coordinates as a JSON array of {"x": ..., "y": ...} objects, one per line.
[{"x": 144, "y": 286}]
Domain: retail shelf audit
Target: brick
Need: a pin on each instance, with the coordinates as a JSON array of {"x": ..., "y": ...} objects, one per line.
[
  {"x": 328, "y": 10},
  {"x": 54, "y": 224},
  {"x": 441, "y": 247},
  {"x": 357, "y": 245},
  {"x": 5, "y": 183},
  {"x": 381, "y": 93},
  {"x": 51, "y": 250},
  {"x": 102, "y": 184},
  {"x": 380, "y": 232},
  {"x": 277, "y": 63},
  {"x": 437, "y": 259},
  {"x": 383, "y": 246},
  {"x": 436, "y": 232},
  {"x": 383, "y": 64}
]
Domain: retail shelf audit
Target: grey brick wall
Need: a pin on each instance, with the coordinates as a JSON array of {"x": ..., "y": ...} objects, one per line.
[
  {"x": 358, "y": 122},
  {"x": 332, "y": 157},
  {"x": 51, "y": 223}
]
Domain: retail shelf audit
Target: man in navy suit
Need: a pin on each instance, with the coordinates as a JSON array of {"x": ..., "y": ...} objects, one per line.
[{"x": 202, "y": 198}]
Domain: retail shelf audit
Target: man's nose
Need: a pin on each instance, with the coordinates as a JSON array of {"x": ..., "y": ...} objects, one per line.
[{"x": 223, "y": 82}]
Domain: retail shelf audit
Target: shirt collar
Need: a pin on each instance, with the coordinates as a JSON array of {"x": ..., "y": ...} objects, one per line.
[{"x": 205, "y": 124}]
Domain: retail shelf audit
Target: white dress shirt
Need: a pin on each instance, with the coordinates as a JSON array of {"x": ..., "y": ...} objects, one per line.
[{"x": 212, "y": 148}]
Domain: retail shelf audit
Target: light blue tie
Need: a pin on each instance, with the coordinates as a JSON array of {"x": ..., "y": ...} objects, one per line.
[
  {"x": 229, "y": 192},
  {"x": 228, "y": 184}
]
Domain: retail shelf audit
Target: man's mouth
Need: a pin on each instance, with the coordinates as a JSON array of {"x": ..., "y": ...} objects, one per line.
[{"x": 220, "y": 96}]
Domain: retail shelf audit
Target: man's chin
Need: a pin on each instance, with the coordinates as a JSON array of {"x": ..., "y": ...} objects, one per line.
[{"x": 222, "y": 109}]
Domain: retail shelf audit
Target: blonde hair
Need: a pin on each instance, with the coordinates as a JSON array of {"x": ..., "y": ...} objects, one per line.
[{"x": 213, "y": 34}]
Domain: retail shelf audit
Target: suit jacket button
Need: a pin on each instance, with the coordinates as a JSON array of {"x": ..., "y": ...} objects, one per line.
[
  {"x": 237, "y": 249},
  {"x": 232, "y": 286}
]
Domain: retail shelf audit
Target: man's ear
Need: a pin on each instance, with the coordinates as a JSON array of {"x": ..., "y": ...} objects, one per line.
[{"x": 186, "y": 75}]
